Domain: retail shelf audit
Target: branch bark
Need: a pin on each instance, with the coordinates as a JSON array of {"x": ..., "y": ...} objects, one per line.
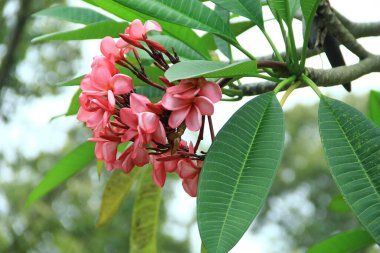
[{"x": 321, "y": 77}]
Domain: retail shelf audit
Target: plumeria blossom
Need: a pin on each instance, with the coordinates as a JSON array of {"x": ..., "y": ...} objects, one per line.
[
  {"x": 116, "y": 114},
  {"x": 137, "y": 31},
  {"x": 189, "y": 100}
]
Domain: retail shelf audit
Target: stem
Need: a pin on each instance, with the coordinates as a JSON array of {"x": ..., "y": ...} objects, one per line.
[
  {"x": 211, "y": 128},
  {"x": 200, "y": 135},
  {"x": 311, "y": 84},
  {"x": 291, "y": 34},
  {"x": 304, "y": 46},
  {"x": 288, "y": 92},
  {"x": 283, "y": 83},
  {"x": 278, "y": 55},
  {"x": 237, "y": 45},
  {"x": 269, "y": 78}
]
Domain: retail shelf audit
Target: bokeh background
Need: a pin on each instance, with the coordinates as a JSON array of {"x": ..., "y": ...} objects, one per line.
[{"x": 296, "y": 215}]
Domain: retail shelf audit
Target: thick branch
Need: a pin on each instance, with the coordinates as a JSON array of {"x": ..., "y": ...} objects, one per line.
[
  {"x": 359, "y": 30},
  {"x": 321, "y": 77},
  {"x": 340, "y": 32}
]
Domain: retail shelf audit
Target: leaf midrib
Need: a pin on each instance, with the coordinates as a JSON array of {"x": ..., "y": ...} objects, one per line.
[
  {"x": 353, "y": 150},
  {"x": 240, "y": 175}
]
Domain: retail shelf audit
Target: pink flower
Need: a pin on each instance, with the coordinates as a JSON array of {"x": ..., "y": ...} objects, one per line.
[
  {"x": 189, "y": 171},
  {"x": 106, "y": 146},
  {"x": 190, "y": 110},
  {"x": 161, "y": 167},
  {"x": 96, "y": 111},
  {"x": 103, "y": 78},
  {"x": 137, "y": 31},
  {"x": 131, "y": 157},
  {"x": 189, "y": 88},
  {"x": 110, "y": 51}
]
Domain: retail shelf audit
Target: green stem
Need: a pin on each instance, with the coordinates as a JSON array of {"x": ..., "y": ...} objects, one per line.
[
  {"x": 304, "y": 46},
  {"x": 283, "y": 83},
  {"x": 269, "y": 78},
  {"x": 288, "y": 92},
  {"x": 238, "y": 46},
  {"x": 313, "y": 85},
  {"x": 278, "y": 55},
  {"x": 232, "y": 92}
]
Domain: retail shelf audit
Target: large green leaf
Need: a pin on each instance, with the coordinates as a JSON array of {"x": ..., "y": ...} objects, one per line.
[
  {"x": 93, "y": 31},
  {"x": 352, "y": 146},
  {"x": 374, "y": 107},
  {"x": 189, "y": 13},
  {"x": 184, "y": 34},
  {"x": 309, "y": 7},
  {"x": 73, "y": 14},
  {"x": 72, "y": 82},
  {"x": 189, "y": 69},
  {"x": 68, "y": 166},
  {"x": 238, "y": 172},
  {"x": 248, "y": 8},
  {"x": 222, "y": 45},
  {"x": 117, "y": 188},
  {"x": 145, "y": 215},
  {"x": 284, "y": 9},
  {"x": 346, "y": 242}
]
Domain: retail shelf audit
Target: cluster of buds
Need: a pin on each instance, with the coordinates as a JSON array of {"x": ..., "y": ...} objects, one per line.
[{"x": 116, "y": 114}]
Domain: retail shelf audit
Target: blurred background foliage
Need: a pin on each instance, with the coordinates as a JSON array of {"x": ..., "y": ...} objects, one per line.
[{"x": 298, "y": 207}]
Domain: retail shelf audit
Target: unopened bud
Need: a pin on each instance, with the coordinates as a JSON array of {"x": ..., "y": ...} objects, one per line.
[
  {"x": 156, "y": 45},
  {"x": 131, "y": 41}
]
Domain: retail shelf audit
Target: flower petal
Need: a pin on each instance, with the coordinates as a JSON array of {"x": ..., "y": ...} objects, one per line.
[
  {"x": 190, "y": 186},
  {"x": 137, "y": 30},
  {"x": 121, "y": 84},
  {"x": 109, "y": 49},
  {"x": 187, "y": 169},
  {"x": 148, "y": 121},
  {"x": 152, "y": 25},
  {"x": 204, "y": 105},
  {"x": 128, "y": 117},
  {"x": 177, "y": 117},
  {"x": 159, "y": 134},
  {"x": 159, "y": 176},
  {"x": 139, "y": 103},
  {"x": 212, "y": 91},
  {"x": 194, "y": 119},
  {"x": 172, "y": 103},
  {"x": 109, "y": 150}
]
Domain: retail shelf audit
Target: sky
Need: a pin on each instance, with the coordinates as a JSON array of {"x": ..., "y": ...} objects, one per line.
[{"x": 50, "y": 136}]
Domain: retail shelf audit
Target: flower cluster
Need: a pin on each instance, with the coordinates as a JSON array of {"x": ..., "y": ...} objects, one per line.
[{"x": 152, "y": 132}]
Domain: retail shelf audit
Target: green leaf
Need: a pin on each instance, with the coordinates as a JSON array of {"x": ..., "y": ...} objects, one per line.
[
  {"x": 221, "y": 44},
  {"x": 68, "y": 166},
  {"x": 374, "y": 107},
  {"x": 345, "y": 242},
  {"x": 93, "y": 31},
  {"x": 238, "y": 172},
  {"x": 339, "y": 205},
  {"x": 117, "y": 189},
  {"x": 73, "y": 82},
  {"x": 189, "y": 69},
  {"x": 184, "y": 34},
  {"x": 250, "y": 9},
  {"x": 145, "y": 215},
  {"x": 73, "y": 14},
  {"x": 74, "y": 104},
  {"x": 352, "y": 146},
  {"x": 309, "y": 7},
  {"x": 284, "y": 9},
  {"x": 189, "y": 13},
  {"x": 182, "y": 49}
]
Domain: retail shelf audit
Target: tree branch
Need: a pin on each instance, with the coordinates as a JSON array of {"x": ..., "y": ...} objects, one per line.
[
  {"x": 321, "y": 77},
  {"x": 359, "y": 30},
  {"x": 339, "y": 31}
]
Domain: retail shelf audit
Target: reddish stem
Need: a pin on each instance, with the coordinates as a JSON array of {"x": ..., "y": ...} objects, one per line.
[
  {"x": 211, "y": 128},
  {"x": 200, "y": 136}
]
